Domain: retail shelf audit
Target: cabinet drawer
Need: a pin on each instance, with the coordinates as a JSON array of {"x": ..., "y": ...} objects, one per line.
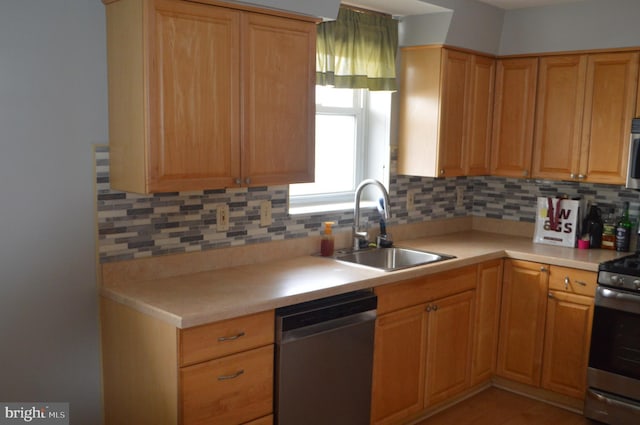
[
  {"x": 228, "y": 391},
  {"x": 576, "y": 281},
  {"x": 227, "y": 337},
  {"x": 424, "y": 289}
]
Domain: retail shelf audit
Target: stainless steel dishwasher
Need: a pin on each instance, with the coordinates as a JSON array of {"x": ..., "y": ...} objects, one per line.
[{"x": 324, "y": 360}]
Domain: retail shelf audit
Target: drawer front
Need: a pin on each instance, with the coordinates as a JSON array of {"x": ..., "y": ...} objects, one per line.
[
  {"x": 227, "y": 337},
  {"x": 424, "y": 289},
  {"x": 228, "y": 391},
  {"x": 581, "y": 282}
]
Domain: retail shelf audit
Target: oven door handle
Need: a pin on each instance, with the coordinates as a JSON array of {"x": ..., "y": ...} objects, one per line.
[{"x": 617, "y": 300}]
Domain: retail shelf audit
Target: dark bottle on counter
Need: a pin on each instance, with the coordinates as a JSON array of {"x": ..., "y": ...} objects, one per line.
[
  {"x": 593, "y": 227},
  {"x": 623, "y": 230}
]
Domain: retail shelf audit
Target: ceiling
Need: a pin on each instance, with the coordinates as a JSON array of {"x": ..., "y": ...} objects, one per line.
[{"x": 418, "y": 7}]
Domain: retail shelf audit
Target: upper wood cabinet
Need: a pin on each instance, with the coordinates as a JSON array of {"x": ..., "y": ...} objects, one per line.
[
  {"x": 445, "y": 112},
  {"x": 612, "y": 80},
  {"x": 559, "y": 112},
  {"x": 202, "y": 96},
  {"x": 513, "y": 117},
  {"x": 583, "y": 116}
]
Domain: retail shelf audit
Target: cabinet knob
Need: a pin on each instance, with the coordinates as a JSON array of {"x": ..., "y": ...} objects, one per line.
[
  {"x": 544, "y": 269},
  {"x": 582, "y": 176},
  {"x": 567, "y": 281},
  {"x": 572, "y": 175},
  {"x": 428, "y": 308},
  {"x": 581, "y": 283},
  {"x": 525, "y": 173},
  {"x": 238, "y": 181},
  {"x": 435, "y": 307},
  {"x": 247, "y": 180},
  {"x": 550, "y": 295},
  {"x": 442, "y": 171}
]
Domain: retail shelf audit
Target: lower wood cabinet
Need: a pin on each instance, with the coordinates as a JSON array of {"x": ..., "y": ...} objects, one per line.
[
  {"x": 426, "y": 340},
  {"x": 522, "y": 321},
  {"x": 487, "y": 321},
  {"x": 155, "y": 374},
  {"x": 568, "y": 331},
  {"x": 545, "y": 327}
]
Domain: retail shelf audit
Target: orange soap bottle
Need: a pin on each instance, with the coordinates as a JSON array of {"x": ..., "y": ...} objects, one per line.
[{"x": 326, "y": 243}]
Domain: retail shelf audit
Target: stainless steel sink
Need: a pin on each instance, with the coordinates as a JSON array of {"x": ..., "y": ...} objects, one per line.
[{"x": 391, "y": 259}]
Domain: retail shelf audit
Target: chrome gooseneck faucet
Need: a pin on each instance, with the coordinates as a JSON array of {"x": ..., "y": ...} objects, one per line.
[{"x": 360, "y": 237}]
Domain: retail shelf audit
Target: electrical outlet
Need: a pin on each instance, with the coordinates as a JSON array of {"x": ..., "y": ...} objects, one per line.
[
  {"x": 459, "y": 196},
  {"x": 222, "y": 218},
  {"x": 265, "y": 213},
  {"x": 411, "y": 199}
]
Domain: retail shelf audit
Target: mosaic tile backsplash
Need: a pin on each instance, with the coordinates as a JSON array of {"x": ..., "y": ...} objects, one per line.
[{"x": 136, "y": 226}]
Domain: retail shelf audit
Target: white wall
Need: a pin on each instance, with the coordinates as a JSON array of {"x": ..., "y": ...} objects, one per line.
[
  {"x": 473, "y": 25},
  {"x": 591, "y": 24},
  {"x": 53, "y": 106}
]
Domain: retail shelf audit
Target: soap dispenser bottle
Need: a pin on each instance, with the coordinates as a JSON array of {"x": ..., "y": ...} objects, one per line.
[{"x": 326, "y": 243}]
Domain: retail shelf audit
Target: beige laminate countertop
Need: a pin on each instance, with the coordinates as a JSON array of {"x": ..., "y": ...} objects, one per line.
[{"x": 194, "y": 299}]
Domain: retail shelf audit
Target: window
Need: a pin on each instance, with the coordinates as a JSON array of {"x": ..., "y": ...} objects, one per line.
[{"x": 349, "y": 148}]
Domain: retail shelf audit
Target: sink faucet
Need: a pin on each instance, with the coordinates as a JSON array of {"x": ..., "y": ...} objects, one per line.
[{"x": 360, "y": 237}]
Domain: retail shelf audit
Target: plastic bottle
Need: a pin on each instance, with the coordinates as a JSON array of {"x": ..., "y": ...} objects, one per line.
[
  {"x": 623, "y": 230},
  {"x": 326, "y": 243}
]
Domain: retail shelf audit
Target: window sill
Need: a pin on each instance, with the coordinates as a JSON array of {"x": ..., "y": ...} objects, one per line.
[{"x": 328, "y": 208}]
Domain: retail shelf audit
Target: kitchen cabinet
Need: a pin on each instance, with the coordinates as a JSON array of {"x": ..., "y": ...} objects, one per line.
[
  {"x": 398, "y": 365},
  {"x": 206, "y": 96},
  {"x": 487, "y": 321},
  {"x": 522, "y": 321},
  {"x": 583, "y": 115},
  {"x": 513, "y": 116},
  {"x": 559, "y": 111},
  {"x": 612, "y": 80},
  {"x": 445, "y": 112},
  {"x": 156, "y": 374},
  {"x": 449, "y": 340},
  {"x": 424, "y": 335},
  {"x": 545, "y": 327},
  {"x": 568, "y": 330}
]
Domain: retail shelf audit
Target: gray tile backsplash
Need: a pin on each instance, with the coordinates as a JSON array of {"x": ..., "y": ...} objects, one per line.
[{"x": 136, "y": 226}]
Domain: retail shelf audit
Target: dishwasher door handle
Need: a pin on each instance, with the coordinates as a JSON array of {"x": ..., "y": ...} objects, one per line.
[{"x": 326, "y": 326}]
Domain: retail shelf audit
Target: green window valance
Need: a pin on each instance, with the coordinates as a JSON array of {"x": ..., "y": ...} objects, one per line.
[{"x": 358, "y": 50}]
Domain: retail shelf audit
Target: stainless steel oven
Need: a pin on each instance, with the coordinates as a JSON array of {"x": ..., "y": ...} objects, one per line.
[{"x": 613, "y": 375}]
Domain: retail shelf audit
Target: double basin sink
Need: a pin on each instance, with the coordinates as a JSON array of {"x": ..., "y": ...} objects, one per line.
[{"x": 390, "y": 259}]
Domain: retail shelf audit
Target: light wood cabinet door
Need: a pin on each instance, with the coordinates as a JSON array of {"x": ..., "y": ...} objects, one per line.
[
  {"x": 487, "y": 321},
  {"x": 449, "y": 340},
  {"x": 522, "y": 321},
  {"x": 612, "y": 80},
  {"x": 478, "y": 148},
  {"x": 566, "y": 346},
  {"x": 454, "y": 125},
  {"x": 278, "y": 144},
  {"x": 559, "y": 110},
  {"x": 194, "y": 96},
  {"x": 513, "y": 117},
  {"x": 398, "y": 365}
]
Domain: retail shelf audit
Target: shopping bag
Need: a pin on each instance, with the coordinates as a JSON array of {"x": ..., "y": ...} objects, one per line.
[{"x": 557, "y": 221}]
